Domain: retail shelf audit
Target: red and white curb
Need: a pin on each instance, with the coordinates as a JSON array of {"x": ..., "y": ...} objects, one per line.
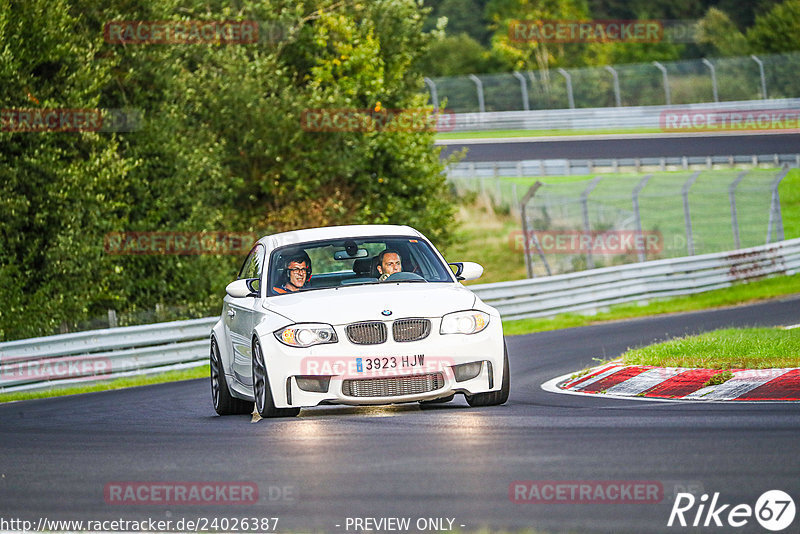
[{"x": 678, "y": 383}]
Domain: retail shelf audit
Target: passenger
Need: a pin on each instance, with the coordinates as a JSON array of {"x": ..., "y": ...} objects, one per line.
[{"x": 295, "y": 275}]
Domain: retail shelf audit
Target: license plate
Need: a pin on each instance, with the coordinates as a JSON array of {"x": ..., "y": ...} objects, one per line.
[{"x": 389, "y": 362}]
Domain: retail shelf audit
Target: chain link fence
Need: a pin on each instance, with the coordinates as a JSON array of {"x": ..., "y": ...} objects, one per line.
[
  {"x": 609, "y": 221},
  {"x": 580, "y": 223},
  {"x": 645, "y": 84}
]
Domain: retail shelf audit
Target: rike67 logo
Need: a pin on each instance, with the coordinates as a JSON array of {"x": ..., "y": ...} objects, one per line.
[{"x": 774, "y": 510}]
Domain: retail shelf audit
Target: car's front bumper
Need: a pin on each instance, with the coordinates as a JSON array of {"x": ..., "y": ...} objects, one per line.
[{"x": 291, "y": 370}]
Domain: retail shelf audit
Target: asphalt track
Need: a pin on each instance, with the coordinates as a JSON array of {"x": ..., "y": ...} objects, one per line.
[
  {"x": 625, "y": 146},
  {"x": 449, "y": 461}
]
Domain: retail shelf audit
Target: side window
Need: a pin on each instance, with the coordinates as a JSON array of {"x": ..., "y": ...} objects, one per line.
[{"x": 254, "y": 264}]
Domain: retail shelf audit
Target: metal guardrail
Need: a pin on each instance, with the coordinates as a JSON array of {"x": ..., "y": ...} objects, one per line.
[
  {"x": 81, "y": 357},
  {"x": 599, "y": 118},
  {"x": 598, "y": 288},
  {"x": 86, "y": 357},
  {"x": 465, "y": 171}
]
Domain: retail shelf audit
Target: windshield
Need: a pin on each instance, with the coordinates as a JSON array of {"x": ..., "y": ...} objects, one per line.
[{"x": 354, "y": 261}]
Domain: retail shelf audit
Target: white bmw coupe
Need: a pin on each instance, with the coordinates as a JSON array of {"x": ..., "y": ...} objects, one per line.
[{"x": 368, "y": 314}]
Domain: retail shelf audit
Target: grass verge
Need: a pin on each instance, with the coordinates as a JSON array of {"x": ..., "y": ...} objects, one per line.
[
  {"x": 117, "y": 383},
  {"x": 730, "y": 348},
  {"x": 736, "y": 294}
]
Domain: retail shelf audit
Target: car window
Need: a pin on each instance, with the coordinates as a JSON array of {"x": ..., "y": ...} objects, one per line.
[
  {"x": 339, "y": 262},
  {"x": 253, "y": 264}
]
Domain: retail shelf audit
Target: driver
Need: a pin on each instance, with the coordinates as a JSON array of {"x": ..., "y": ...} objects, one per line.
[
  {"x": 296, "y": 274},
  {"x": 388, "y": 264}
]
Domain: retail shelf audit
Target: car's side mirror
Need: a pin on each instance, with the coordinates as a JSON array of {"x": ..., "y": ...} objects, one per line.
[
  {"x": 467, "y": 270},
  {"x": 245, "y": 287}
]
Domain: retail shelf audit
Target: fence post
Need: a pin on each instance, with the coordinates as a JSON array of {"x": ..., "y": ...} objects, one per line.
[
  {"x": 514, "y": 196},
  {"x": 710, "y": 66},
  {"x": 526, "y": 233},
  {"x": 734, "y": 219},
  {"x": 479, "y": 89},
  {"x": 585, "y": 210},
  {"x": 665, "y": 80},
  {"x": 112, "y": 318},
  {"x": 637, "y": 213},
  {"x": 775, "y": 217},
  {"x": 434, "y": 95},
  {"x": 523, "y": 87},
  {"x": 617, "y": 97},
  {"x": 568, "y": 78},
  {"x": 496, "y": 172},
  {"x": 686, "y": 214},
  {"x": 763, "y": 78}
]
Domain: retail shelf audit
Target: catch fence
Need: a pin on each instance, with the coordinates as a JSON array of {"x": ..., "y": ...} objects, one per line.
[
  {"x": 644, "y": 84},
  {"x": 576, "y": 223}
]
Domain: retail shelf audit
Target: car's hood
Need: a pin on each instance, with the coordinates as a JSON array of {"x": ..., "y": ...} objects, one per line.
[{"x": 344, "y": 305}]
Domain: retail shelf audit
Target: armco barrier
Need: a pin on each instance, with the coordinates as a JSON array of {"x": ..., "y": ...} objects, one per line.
[
  {"x": 82, "y": 357},
  {"x": 600, "y": 118},
  {"x": 42, "y": 362}
]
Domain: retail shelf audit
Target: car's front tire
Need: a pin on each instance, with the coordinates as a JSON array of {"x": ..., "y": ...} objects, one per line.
[
  {"x": 493, "y": 398},
  {"x": 265, "y": 406},
  {"x": 224, "y": 402}
]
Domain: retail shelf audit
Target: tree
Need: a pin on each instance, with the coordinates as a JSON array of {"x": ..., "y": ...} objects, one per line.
[
  {"x": 220, "y": 148},
  {"x": 530, "y": 55},
  {"x": 455, "y": 55},
  {"x": 720, "y": 36},
  {"x": 776, "y": 31}
]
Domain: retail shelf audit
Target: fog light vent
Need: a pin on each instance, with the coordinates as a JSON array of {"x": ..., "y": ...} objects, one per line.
[
  {"x": 467, "y": 371},
  {"x": 314, "y": 384}
]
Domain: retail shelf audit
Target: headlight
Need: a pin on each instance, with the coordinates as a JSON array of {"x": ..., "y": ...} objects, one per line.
[
  {"x": 464, "y": 322},
  {"x": 306, "y": 335}
]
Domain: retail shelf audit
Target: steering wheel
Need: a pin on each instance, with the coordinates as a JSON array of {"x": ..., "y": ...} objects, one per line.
[{"x": 404, "y": 277}]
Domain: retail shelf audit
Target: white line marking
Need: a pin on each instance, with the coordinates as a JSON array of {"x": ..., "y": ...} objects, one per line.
[{"x": 791, "y": 327}]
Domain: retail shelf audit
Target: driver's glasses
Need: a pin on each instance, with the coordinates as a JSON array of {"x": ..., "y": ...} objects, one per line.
[{"x": 298, "y": 270}]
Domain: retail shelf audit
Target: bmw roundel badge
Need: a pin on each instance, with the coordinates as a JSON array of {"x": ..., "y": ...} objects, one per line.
[{"x": 386, "y": 313}]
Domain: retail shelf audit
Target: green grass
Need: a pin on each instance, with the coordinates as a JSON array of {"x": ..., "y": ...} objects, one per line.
[
  {"x": 737, "y": 294},
  {"x": 731, "y": 348},
  {"x": 719, "y": 378},
  {"x": 117, "y": 383},
  {"x": 789, "y": 191},
  {"x": 486, "y": 236},
  {"x": 541, "y": 133}
]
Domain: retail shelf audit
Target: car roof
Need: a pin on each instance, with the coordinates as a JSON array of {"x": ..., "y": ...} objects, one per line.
[{"x": 336, "y": 232}]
